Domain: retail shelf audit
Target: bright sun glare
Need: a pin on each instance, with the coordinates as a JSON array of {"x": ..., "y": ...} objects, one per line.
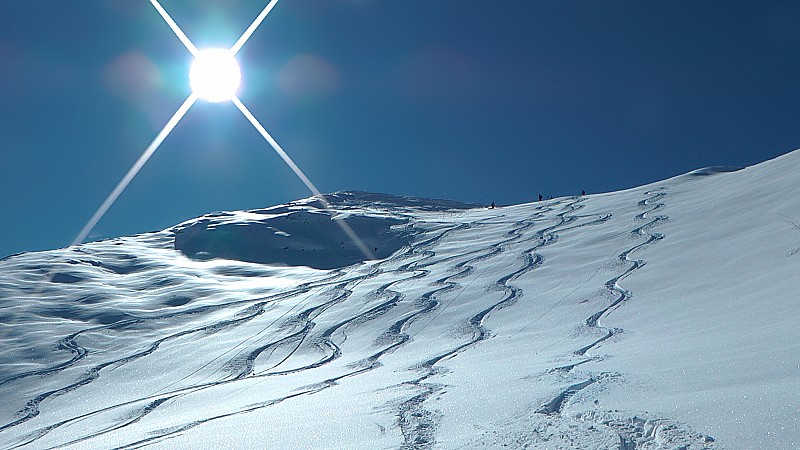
[{"x": 215, "y": 75}]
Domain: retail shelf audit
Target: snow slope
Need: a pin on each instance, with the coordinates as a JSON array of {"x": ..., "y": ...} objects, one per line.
[{"x": 660, "y": 317}]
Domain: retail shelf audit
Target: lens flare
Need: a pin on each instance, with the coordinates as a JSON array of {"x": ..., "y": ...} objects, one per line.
[{"x": 215, "y": 76}]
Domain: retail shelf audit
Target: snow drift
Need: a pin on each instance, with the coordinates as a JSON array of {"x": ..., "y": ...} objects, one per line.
[{"x": 658, "y": 317}]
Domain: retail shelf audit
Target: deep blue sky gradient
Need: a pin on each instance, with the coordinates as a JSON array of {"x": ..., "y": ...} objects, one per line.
[{"x": 461, "y": 99}]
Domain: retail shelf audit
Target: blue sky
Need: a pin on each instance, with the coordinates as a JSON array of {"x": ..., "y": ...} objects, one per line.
[{"x": 459, "y": 99}]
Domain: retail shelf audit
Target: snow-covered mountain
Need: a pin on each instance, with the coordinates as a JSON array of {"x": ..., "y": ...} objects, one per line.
[{"x": 660, "y": 317}]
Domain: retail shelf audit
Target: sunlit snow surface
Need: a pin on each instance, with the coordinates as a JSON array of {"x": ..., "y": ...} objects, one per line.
[{"x": 664, "y": 316}]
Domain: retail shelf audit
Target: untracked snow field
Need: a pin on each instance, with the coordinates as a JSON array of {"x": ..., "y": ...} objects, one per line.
[{"x": 660, "y": 317}]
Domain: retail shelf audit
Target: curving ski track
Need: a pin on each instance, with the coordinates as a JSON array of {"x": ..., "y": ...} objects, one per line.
[
  {"x": 418, "y": 424},
  {"x": 652, "y": 203},
  {"x": 312, "y": 333}
]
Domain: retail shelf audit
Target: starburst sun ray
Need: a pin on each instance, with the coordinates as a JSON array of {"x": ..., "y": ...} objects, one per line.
[
  {"x": 175, "y": 28},
  {"x": 296, "y": 169},
  {"x": 252, "y": 28},
  {"x": 137, "y": 166}
]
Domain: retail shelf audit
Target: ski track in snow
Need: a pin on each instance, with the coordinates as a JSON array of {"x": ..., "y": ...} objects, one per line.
[
  {"x": 417, "y": 424},
  {"x": 633, "y": 432},
  {"x": 241, "y": 365},
  {"x": 556, "y": 405},
  {"x": 304, "y": 329}
]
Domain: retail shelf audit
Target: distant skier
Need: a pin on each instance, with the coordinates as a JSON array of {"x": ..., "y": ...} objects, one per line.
[
  {"x": 540, "y": 197},
  {"x": 583, "y": 192},
  {"x": 491, "y": 206}
]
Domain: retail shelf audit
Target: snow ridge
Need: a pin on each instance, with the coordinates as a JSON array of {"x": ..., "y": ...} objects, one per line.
[{"x": 477, "y": 328}]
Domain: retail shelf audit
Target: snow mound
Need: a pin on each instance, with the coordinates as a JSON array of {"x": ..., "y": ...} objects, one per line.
[
  {"x": 304, "y": 233},
  {"x": 376, "y": 200},
  {"x": 713, "y": 170},
  {"x": 301, "y": 237}
]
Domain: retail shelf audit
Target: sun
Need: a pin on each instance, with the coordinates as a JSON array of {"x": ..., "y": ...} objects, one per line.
[{"x": 215, "y": 75}]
